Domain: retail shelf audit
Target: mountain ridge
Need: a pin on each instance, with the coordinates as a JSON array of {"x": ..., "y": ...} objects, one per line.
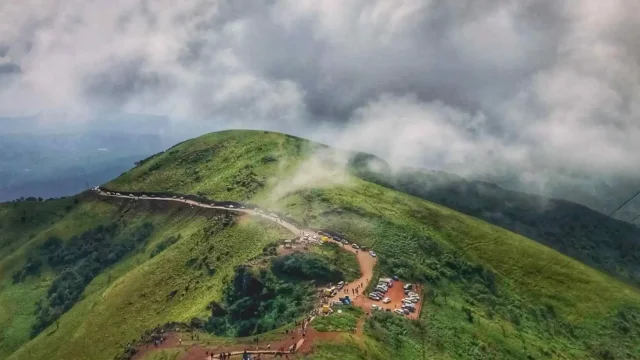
[{"x": 501, "y": 294}]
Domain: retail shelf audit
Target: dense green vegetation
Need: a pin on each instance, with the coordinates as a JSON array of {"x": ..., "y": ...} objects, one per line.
[
  {"x": 345, "y": 320},
  {"x": 575, "y": 230},
  {"x": 257, "y": 302},
  {"x": 345, "y": 261},
  {"x": 78, "y": 262},
  {"x": 20, "y": 220},
  {"x": 305, "y": 266},
  {"x": 164, "y": 244},
  {"x": 134, "y": 294},
  {"x": 490, "y": 293}
]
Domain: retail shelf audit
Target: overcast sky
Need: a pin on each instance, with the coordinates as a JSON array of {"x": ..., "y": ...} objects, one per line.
[{"x": 538, "y": 89}]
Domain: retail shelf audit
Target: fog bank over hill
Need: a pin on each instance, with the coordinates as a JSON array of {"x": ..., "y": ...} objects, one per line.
[{"x": 540, "y": 96}]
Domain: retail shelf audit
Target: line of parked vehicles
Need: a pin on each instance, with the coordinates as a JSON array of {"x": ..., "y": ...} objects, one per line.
[{"x": 346, "y": 242}]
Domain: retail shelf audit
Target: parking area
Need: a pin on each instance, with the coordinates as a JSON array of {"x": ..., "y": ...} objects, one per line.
[{"x": 393, "y": 300}]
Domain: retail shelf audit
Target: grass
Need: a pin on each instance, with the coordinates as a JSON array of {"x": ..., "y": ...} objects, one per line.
[
  {"x": 524, "y": 299},
  {"x": 344, "y": 321},
  {"x": 133, "y": 295},
  {"x": 20, "y": 221},
  {"x": 228, "y": 165},
  {"x": 347, "y": 348}
]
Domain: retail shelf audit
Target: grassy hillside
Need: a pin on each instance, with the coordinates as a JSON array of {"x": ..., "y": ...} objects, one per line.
[
  {"x": 491, "y": 293},
  {"x": 573, "y": 229},
  {"x": 134, "y": 294}
]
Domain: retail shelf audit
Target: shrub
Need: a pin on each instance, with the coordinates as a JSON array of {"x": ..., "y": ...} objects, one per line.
[
  {"x": 306, "y": 266},
  {"x": 81, "y": 259}
]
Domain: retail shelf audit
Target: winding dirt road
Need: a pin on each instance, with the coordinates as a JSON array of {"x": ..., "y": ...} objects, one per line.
[{"x": 365, "y": 260}]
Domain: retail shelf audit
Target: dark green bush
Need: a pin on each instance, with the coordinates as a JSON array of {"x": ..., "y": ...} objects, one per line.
[
  {"x": 305, "y": 266},
  {"x": 80, "y": 261},
  {"x": 258, "y": 302}
]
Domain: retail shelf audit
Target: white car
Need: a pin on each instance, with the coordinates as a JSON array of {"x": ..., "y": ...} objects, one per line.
[
  {"x": 386, "y": 300},
  {"x": 376, "y": 307},
  {"x": 399, "y": 312},
  {"x": 373, "y": 254}
]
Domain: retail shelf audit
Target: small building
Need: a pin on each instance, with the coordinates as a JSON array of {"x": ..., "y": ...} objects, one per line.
[{"x": 287, "y": 244}]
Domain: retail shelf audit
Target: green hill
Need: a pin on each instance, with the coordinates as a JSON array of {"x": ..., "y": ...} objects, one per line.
[
  {"x": 599, "y": 241},
  {"x": 492, "y": 293}
]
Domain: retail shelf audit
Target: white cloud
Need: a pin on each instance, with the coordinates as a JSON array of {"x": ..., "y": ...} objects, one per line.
[{"x": 531, "y": 88}]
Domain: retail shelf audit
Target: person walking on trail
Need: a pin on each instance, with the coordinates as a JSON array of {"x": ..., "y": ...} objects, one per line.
[{"x": 180, "y": 341}]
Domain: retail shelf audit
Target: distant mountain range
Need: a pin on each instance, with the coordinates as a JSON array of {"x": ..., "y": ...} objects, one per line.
[{"x": 46, "y": 159}]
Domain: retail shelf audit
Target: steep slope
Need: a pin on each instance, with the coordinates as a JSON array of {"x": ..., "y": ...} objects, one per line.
[
  {"x": 492, "y": 293},
  {"x": 134, "y": 294},
  {"x": 602, "y": 242}
]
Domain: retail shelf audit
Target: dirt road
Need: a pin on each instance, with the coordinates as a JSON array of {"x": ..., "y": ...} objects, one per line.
[
  {"x": 197, "y": 351},
  {"x": 366, "y": 261}
]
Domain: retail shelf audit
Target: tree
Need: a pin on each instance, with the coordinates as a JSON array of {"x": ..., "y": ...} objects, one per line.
[
  {"x": 445, "y": 290},
  {"x": 468, "y": 312},
  {"x": 432, "y": 294}
]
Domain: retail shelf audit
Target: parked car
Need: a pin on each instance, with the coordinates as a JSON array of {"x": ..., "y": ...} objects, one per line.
[
  {"x": 372, "y": 253},
  {"x": 376, "y": 307},
  {"x": 406, "y": 311},
  {"x": 355, "y": 246},
  {"x": 374, "y": 297},
  {"x": 411, "y": 307},
  {"x": 336, "y": 302},
  {"x": 399, "y": 312},
  {"x": 340, "y": 284},
  {"x": 344, "y": 242},
  {"x": 395, "y": 278},
  {"x": 386, "y": 300}
]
